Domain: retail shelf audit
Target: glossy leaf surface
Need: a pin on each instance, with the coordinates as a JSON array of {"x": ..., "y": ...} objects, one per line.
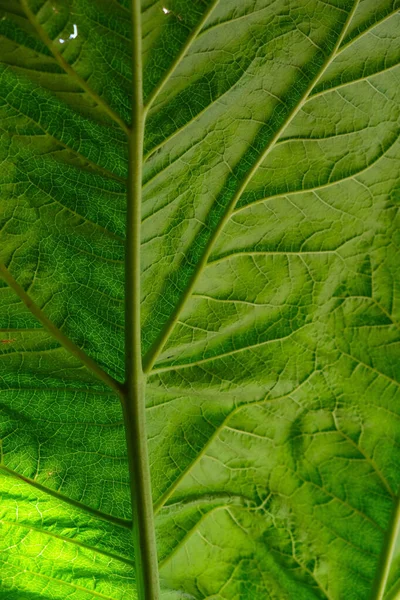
[{"x": 270, "y": 269}]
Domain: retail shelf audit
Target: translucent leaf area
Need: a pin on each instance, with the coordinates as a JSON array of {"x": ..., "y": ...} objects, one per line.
[{"x": 270, "y": 255}]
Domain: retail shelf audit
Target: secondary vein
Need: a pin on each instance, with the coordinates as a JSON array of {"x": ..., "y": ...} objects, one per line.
[
  {"x": 367, "y": 30},
  {"x": 169, "y": 492},
  {"x": 57, "y": 334},
  {"x": 68, "y": 540},
  {"x": 75, "y": 503},
  {"x": 191, "y": 38},
  {"x": 68, "y": 69},
  {"x": 153, "y": 352},
  {"x": 388, "y": 551}
]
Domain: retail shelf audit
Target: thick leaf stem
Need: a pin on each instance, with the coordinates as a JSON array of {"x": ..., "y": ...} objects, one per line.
[
  {"x": 389, "y": 545},
  {"x": 134, "y": 397}
]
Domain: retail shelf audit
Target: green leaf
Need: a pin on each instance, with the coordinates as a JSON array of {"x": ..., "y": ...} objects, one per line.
[{"x": 258, "y": 300}]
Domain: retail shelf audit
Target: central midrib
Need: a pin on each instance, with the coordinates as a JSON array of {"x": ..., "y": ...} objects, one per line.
[{"x": 133, "y": 396}]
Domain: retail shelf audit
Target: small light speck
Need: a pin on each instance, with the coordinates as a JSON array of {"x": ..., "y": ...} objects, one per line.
[
  {"x": 165, "y": 10},
  {"x": 72, "y": 36},
  {"x": 75, "y": 34}
]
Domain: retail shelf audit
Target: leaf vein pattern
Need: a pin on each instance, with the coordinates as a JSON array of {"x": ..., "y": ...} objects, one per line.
[
  {"x": 72, "y": 541},
  {"x": 152, "y": 354},
  {"x": 55, "y": 494},
  {"x": 57, "y": 334},
  {"x": 68, "y": 69}
]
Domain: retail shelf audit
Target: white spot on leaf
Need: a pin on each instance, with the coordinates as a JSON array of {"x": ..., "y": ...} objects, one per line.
[
  {"x": 75, "y": 34},
  {"x": 72, "y": 36}
]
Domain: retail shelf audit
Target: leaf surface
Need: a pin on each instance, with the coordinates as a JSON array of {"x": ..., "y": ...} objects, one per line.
[{"x": 270, "y": 304}]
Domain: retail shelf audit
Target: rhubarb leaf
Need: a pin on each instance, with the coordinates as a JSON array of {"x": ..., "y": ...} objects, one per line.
[{"x": 270, "y": 297}]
